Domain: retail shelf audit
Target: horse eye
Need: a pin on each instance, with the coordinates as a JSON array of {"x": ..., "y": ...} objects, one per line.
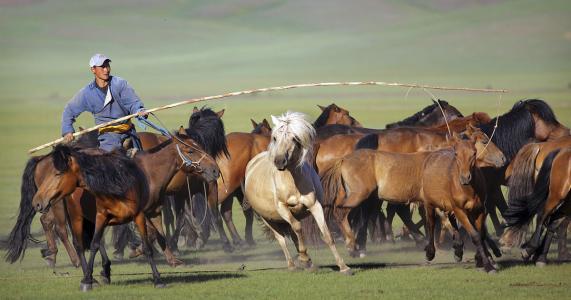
[{"x": 274, "y": 138}]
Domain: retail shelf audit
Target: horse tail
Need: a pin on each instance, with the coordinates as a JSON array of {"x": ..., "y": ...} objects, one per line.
[
  {"x": 521, "y": 180},
  {"x": 520, "y": 210},
  {"x": 333, "y": 188},
  {"x": 370, "y": 141},
  {"x": 18, "y": 239}
]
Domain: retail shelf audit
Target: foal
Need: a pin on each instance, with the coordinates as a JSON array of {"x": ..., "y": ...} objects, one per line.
[{"x": 446, "y": 179}]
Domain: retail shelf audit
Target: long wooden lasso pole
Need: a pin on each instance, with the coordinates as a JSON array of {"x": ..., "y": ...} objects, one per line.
[{"x": 277, "y": 88}]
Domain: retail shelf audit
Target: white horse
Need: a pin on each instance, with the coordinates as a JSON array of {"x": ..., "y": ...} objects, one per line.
[{"x": 282, "y": 187}]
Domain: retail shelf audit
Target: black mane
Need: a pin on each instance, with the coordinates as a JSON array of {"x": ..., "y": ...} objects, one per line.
[
  {"x": 110, "y": 174},
  {"x": 414, "y": 119},
  {"x": 207, "y": 129},
  {"x": 322, "y": 119},
  {"x": 516, "y": 127}
]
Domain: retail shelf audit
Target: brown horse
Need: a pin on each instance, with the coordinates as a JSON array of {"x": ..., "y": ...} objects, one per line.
[
  {"x": 530, "y": 120},
  {"x": 409, "y": 140},
  {"x": 119, "y": 190},
  {"x": 53, "y": 222},
  {"x": 522, "y": 175},
  {"x": 550, "y": 200},
  {"x": 446, "y": 179}
]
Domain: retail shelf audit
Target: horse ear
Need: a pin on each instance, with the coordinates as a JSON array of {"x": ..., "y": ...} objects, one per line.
[
  {"x": 220, "y": 113},
  {"x": 195, "y": 110},
  {"x": 254, "y": 123},
  {"x": 266, "y": 123},
  {"x": 434, "y": 101},
  {"x": 81, "y": 128},
  {"x": 321, "y": 107},
  {"x": 275, "y": 120},
  {"x": 181, "y": 130},
  {"x": 335, "y": 107}
]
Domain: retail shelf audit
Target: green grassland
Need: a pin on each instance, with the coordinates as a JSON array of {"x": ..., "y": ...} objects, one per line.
[{"x": 175, "y": 50}]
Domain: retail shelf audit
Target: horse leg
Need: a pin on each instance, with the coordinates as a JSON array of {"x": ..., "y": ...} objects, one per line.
[
  {"x": 554, "y": 224},
  {"x": 430, "y": 222},
  {"x": 226, "y": 212},
  {"x": 391, "y": 211},
  {"x": 475, "y": 236},
  {"x": 406, "y": 216},
  {"x": 495, "y": 200},
  {"x": 101, "y": 221},
  {"x": 61, "y": 230},
  {"x": 249, "y": 216},
  {"x": 457, "y": 241},
  {"x": 140, "y": 221},
  {"x": 342, "y": 216},
  {"x": 282, "y": 242},
  {"x": 562, "y": 251},
  {"x": 49, "y": 254},
  {"x": 217, "y": 218},
  {"x": 286, "y": 214},
  {"x": 105, "y": 263},
  {"x": 317, "y": 212},
  {"x": 157, "y": 223}
]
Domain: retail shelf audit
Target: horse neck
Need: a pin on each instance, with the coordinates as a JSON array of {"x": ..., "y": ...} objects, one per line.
[{"x": 159, "y": 167}]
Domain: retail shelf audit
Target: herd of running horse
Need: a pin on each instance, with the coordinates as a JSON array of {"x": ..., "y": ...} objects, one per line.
[{"x": 451, "y": 165}]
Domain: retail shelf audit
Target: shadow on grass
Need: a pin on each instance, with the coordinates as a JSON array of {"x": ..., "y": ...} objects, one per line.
[{"x": 183, "y": 277}]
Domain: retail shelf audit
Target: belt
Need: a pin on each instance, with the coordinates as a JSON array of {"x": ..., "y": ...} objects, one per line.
[{"x": 121, "y": 128}]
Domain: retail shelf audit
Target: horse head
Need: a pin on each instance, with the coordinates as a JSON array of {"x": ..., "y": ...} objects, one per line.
[
  {"x": 333, "y": 114},
  {"x": 262, "y": 128},
  {"x": 194, "y": 159},
  {"x": 206, "y": 127},
  {"x": 291, "y": 140},
  {"x": 464, "y": 156},
  {"x": 487, "y": 153},
  {"x": 61, "y": 177},
  {"x": 431, "y": 115}
]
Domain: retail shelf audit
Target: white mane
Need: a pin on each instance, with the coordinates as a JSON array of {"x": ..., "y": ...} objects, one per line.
[{"x": 292, "y": 126}]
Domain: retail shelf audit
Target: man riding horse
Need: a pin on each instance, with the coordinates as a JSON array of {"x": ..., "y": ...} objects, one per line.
[{"x": 107, "y": 98}]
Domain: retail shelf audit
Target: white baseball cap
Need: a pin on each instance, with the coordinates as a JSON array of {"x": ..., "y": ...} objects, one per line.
[{"x": 98, "y": 60}]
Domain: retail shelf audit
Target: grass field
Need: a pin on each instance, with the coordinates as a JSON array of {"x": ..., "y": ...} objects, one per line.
[{"x": 175, "y": 50}]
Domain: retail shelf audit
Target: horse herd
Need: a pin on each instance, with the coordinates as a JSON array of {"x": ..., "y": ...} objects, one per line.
[{"x": 336, "y": 170}]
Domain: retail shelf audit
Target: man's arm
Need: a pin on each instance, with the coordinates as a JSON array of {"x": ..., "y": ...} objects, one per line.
[
  {"x": 72, "y": 110},
  {"x": 130, "y": 100}
]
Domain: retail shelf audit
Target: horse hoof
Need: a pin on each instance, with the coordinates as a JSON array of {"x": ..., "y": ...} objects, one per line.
[
  {"x": 362, "y": 254},
  {"x": 457, "y": 258},
  {"x": 85, "y": 287},
  {"x": 176, "y": 262},
  {"x": 134, "y": 253},
  {"x": 540, "y": 264},
  {"x": 50, "y": 262},
  {"x": 312, "y": 269},
  {"x": 228, "y": 248},
  {"x": 525, "y": 255},
  {"x": 118, "y": 256},
  {"x": 160, "y": 285},
  {"x": 492, "y": 271},
  {"x": 105, "y": 280},
  {"x": 347, "y": 272}
]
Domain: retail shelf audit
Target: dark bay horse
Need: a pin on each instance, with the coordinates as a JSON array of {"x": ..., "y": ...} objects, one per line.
[
  {"x": 207, "y": 129},
  {"x": 446, "y": 179},
  {"x": 522, "y": 175},
  {"x": 550, "y": 200},
  {"x": 530, "y": 120},
  {"x": 112, "y": 189}
]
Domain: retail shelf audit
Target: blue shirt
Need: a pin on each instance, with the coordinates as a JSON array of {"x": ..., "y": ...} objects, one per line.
[{"x": 91, "y": 98}]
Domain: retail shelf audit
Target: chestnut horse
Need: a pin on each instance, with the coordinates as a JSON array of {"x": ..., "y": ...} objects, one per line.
[
  {"x": 281, "y": 186},
  {"x": 53, "y": 222},
  {"x": 550, "y": 200},
  {"x": 446, "y": 179}
]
